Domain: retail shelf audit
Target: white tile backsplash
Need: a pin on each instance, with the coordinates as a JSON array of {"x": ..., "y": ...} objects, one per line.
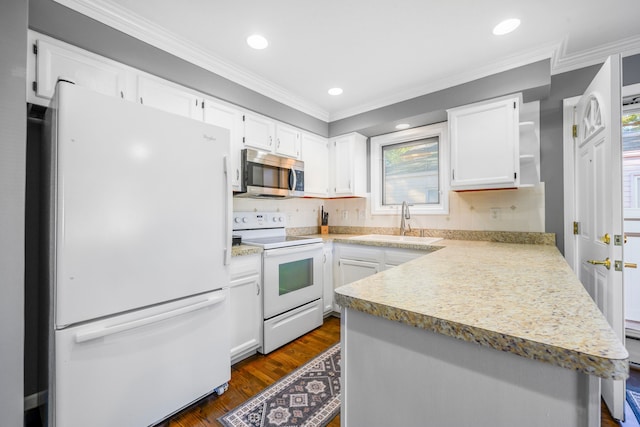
[{"x": 519, "y": 210}]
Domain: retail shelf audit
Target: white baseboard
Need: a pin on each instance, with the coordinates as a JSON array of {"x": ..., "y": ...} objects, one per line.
[
  {"x": 34, "y": 400},
  {"x": 633, "y": 347}
]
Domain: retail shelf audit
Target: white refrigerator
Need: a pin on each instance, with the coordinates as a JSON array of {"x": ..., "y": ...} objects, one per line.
[{"x": 139, "y": 248}]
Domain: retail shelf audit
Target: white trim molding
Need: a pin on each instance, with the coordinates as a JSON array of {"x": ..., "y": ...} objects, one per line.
[
  {"x": 568, "y": 154},
  {"x": 438, "y": 130},
  {"x": 141, "y": 28},
  {"x": 563, "y": 62}
]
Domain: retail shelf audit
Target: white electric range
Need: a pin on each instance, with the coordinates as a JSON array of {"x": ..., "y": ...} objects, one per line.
[{"x": 291, "y": 274}]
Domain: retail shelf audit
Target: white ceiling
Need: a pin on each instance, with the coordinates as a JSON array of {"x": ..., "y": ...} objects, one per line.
[{"x": 379, "y": 52}]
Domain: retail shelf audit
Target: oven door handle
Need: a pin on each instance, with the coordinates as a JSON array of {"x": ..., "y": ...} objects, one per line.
[{"x": 292, "y": 250}]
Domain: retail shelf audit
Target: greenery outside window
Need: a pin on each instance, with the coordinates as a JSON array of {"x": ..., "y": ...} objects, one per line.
[{"x": 410, "y": 166}]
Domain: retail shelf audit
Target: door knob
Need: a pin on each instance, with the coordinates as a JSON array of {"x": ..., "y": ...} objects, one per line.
[
  {"x": 606, "y": 239},
  {"x": 606, "y": 262}
]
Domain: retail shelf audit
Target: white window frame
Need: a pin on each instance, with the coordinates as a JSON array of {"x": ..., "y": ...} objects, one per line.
[{"x": 438, "y": 130}]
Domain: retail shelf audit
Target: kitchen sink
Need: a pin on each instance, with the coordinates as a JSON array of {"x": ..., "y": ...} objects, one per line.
[{"x": 417, "y": 240}]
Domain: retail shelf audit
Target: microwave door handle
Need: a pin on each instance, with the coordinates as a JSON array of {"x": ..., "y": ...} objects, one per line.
[{"x": 292, "y": 179}]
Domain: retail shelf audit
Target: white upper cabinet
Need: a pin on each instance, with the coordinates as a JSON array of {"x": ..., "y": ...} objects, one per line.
[
  {"x": 287, "y": 141},
  {"x": 259, "y": 132},
  {"x": 314, "y": 152},
  {"x": 268, "y": 135},
  {"x": 167, "y": 96},
  {"x": 348, "y": 165},
  {"x": 49, "y": 61},
  {"x": 484, "y": 141},
  {"x": 230, "y": 118}
]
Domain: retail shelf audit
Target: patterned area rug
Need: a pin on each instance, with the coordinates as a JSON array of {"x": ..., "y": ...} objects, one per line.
[
  {"x": 633, "y": 397},
  {"x": 309, "y": 396}
]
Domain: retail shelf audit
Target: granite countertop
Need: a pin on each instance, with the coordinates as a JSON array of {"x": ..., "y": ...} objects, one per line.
[
  {"x": 518, "y": 298},
  {"x": 241, "y": 250}
]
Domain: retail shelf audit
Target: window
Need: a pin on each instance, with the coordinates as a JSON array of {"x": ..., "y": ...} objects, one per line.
[{"x": 410, "y": 166}]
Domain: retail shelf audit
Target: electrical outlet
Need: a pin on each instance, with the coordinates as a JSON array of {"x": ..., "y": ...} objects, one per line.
[{"x": 495, "y": 214}]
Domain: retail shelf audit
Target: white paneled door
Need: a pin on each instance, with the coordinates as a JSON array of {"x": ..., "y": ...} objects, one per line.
[{"x": 598, "y": 205}]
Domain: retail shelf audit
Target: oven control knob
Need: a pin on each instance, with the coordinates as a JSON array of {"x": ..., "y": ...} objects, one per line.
[
  {"x": 236, "y": 220},
  {"x": 245, "y": 219},
  {"x": 274, "y": 219},
  {"x": 280, "y": 219}
]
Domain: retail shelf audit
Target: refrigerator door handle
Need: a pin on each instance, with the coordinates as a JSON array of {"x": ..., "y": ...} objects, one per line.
[
  {"x": 100, "y": 332},
  {"x": 228, "y": 211}
]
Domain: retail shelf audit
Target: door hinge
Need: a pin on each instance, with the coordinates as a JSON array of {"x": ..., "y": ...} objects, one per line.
[
  {"x": 576, "y": 227},
  {"x": 35, "y": 48},
  {"x": 34, "y": 86},
  {"x": 574, "y": 131},
  {"x": 243, "y": 140},
  {"x": 202, "y": 105}
]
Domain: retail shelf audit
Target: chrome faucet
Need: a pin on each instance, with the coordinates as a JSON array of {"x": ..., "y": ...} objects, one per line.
[{"x": 405, "y": 216}]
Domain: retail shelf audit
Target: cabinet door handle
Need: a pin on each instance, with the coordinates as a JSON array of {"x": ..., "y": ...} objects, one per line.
[
  {"x": 278, "y": 142},
  {"x": 237, "y": 173},
  {"x": 324, "y": 260},
  {"x": 270, "y": 141},
  {"x": 141, "y": 100},
  {"x": 257, "y": 288}
]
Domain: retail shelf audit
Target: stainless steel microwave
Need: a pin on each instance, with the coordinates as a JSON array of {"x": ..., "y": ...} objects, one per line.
[{"x": 270, "y": 175}]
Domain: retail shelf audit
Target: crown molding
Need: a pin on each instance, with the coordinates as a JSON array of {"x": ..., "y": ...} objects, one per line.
[
  {"x": 155, "y": 35},
  {"x": 537, "y": 54},
  {"x": 563, "y": 62},
  {"x": 142, "y": 29}
]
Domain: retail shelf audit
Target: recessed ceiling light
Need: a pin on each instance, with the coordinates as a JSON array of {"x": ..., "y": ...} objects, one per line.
[
  {"x": 335, "y": 91},
  {"x": 402, "y": 126},
  {"x": 256, "y": 41},
  {"x": 506, "y": 26}
]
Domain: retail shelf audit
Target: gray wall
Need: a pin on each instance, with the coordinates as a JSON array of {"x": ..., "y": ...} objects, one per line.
[
  {"x": 533, "y": 80},
  {"x": 13, "y": 119},
  {"x": 51, "y": 18}
]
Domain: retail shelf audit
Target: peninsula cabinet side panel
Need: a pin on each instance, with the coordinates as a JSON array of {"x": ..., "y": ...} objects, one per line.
[{"x": 394, "y": 374}]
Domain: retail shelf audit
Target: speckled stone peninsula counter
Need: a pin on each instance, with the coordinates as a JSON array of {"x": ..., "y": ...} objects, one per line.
[{"x": 510, "y": 320}]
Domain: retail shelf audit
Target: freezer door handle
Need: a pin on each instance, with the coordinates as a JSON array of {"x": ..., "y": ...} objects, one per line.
[
  {"x": 228, "y": 211},
  {"x": 91, "y": 334}
]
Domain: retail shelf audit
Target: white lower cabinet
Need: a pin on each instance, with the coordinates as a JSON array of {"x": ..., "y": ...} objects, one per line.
[
  {"x": 246, "y": 306},
  {"x": 355, "y": 262},
  {"x": 394, "y": 257},
  {"x": 352, "y": 270},
  {"x": 327, "y": 277}
]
